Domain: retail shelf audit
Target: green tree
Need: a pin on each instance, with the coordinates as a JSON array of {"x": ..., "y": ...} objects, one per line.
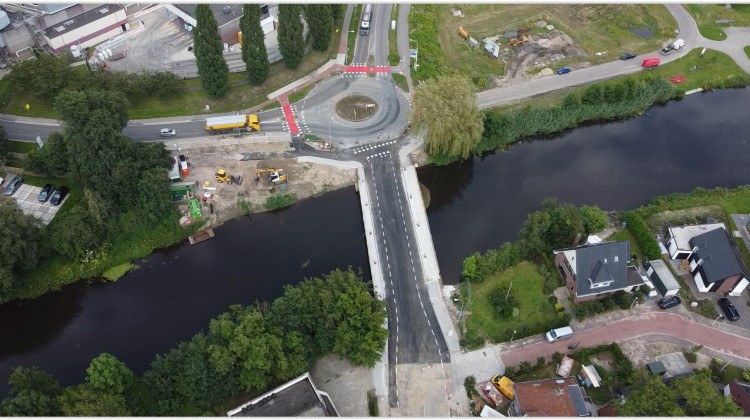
[
  {"x": 107, "y": 374},
  {"x": 701, "y": 400},
  {"x": 291, "y": 42},
  {"x": 454, "y": 124},
  {"x": 3, "y": 144},
  {"x": 471, "y": 268},
  {"x": 52, "y": 159},
  {"x": 212, "y": 69},
  {"x": 254, "y": 52},
  {"x": 593, "y": 218},
  {"x": 32, "y": 393},
  {"x": 75, "y": 108},
  {"x": 533, "y": 232},
  {"x": 337, "y": 11},
  {"x": 45, "y": 77},
  {"x": 86, "y": 401},
  {"x": 652, "y": 399},
  {"x": 320, "y": 20},
  {"x": 19, "y": 243}
]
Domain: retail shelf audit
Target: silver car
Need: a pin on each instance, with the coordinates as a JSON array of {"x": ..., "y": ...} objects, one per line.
[
  {"x": 13, "y": 186},
  {"x": 168, "y": 132}
]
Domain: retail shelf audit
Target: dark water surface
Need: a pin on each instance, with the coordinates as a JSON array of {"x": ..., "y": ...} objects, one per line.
[
  {"x": 701, "y": 141},
  {"x": 175, "y": 292}
]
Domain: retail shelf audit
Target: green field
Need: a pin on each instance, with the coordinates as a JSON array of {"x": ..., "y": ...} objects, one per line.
[
  {"x": 706, "y": 15},
  {"x": 533, "y": 306},
  {"x": 595, "y": 28},
  {"x": 747, "y": 51},
  {"x": 625, "y": 235}
]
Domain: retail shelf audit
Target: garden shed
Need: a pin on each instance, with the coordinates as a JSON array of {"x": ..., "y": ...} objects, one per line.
[
  {"x": 656, "y": 368},
  {"x": 662, "y": 277}
]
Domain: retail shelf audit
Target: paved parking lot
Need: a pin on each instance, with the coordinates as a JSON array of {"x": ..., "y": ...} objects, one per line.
[{"x": 26, "y": 198}]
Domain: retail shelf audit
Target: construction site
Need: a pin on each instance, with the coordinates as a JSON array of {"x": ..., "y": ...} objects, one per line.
[{"x": 231, "y": 177}]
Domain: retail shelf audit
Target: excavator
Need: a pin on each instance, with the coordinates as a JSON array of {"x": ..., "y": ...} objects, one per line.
[
  {"x": 223, "y": 176},
  {"x": 275, "y": 176}
]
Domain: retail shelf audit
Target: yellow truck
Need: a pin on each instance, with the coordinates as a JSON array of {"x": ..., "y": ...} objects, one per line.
[{"x": 233, "y": 123}]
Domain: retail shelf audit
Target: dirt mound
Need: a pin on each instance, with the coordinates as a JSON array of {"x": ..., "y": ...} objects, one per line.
[{"x": 542, "y": 50}]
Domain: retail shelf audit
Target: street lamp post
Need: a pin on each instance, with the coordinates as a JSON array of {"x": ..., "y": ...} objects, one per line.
[
  {"x": 330, "y": 137},
  {"x": 717, "y": 318},
  {"x": 634, "y": 302},
  {"x": 513, "y": 335},
  {"x": 461, "y": 314}
]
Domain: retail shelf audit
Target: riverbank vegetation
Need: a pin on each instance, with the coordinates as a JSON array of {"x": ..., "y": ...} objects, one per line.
[
  {"x": 119, "y": 208},
  {"x": 247, "y": 350},
  {"x": 712, "y": 18}
]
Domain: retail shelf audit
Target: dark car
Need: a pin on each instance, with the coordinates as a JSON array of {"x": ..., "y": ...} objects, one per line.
[
  {"x": 669, "y": 302},
  {"x": 729, "y": 309},
  {"x": 627, "y": 55},
  {"x": 13, "y": 185},
  {"x": 563, "y": 70},
  {"x": 59, "y": 195},
  {"x": 46, "y": 192}
]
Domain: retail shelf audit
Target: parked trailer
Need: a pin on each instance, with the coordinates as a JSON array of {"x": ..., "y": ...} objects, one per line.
[{"x": 233, "y": 123}]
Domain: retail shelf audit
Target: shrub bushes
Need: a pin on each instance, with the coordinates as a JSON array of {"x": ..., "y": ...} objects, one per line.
[
  {"x": 642, "y": 235},
  {"x": 503, "y": 300},
  {"x": 690, "y": 356}
]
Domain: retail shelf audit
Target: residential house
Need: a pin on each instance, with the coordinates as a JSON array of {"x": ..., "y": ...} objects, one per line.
[
  {"x": 716, "y": 263},
  {"x": 296, "y": 398},
  {"x": 740, "y": 393},
  {"x": 551, "y": 398},
  {"x": 678, "y": 238},
  {"x": 598, "y": 270}
]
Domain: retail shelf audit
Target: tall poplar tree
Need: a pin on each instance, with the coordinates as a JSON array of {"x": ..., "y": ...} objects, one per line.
[
  {"x": 254, "y": 52},
  {"x": 212, "y": 69},
  {"x": 320, "y": 19},
  {"x": 291, "y": 42}
]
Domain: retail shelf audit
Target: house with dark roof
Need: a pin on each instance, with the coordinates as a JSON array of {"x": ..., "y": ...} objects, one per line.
[
  {"x": 551, "y": 398},
  {"x": 716, "y": 263},
  {"x": 740, "y": 393},
  {"x": 598, "y": 270},
  {"x": 296, "y": 398},
  {"x": 678, "y": 238}
]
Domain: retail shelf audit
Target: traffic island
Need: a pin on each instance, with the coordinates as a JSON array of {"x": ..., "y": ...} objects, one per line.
[{"x": 356, "y": 108}]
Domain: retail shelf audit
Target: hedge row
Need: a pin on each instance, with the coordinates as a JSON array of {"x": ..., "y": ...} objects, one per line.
[{"x": 642, "y": 234}]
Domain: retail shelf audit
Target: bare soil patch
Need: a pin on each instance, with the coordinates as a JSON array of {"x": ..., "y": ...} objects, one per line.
[{"x": 356, "y": 108}]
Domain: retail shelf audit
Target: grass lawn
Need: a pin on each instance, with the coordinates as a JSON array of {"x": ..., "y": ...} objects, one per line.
[
  {"x": 747, "y": 51},
  {"x": 706, "y": 15},
  {"x": 400, "y": 81},
  {"x": 625, "y": 235},
  {"x": 353, "y": 32},
  {"x": 533, "y": 306},
  {"x": 393, "y": 57},
  {"x": 21, "y": 146}
]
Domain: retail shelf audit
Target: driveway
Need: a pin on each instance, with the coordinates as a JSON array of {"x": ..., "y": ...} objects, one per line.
[{"x": 26, "y": 199}]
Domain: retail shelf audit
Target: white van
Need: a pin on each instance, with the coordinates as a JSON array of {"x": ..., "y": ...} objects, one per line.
[
  {"x": 678, "y": 44},
  {"x": 558, "y": 334}
]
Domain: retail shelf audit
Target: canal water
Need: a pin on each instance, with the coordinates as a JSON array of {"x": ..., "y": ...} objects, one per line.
[
  {"x": 476, "y": 205},
  {"x": 700, "y": 141},
  {"x": 176, "y": 291}
]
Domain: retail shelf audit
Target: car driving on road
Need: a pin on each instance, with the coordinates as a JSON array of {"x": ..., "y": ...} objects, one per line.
[
  {"x": 669, "y": 302},
  {"x": 627, "y": 55},
  {"x": 563, "y": 70},
  {"x": 729, "y": 309},
  {"x": 168, "y": 132}
]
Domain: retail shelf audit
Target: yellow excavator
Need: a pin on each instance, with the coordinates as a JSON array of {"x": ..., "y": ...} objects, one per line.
[
  {"x": 223, "y": 176},
  {"x": 275, "y": 176}
]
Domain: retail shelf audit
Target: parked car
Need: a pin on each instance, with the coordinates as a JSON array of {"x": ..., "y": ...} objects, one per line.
[
  {"x": 563, "y": 70},
  {"x": 669, "y": 302},
  {"x": 168, "y": 132},
  {"x": 46, "y": 193},
  {"x": 13, "y": 186},
  {"x": 729, "y": 309},
  {"x": 59, "y": 195},
  {"x": 627, "y": 55}
]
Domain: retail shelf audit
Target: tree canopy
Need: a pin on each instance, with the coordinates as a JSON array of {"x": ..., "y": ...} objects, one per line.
[
  {"x": 212, "y": 68},
  {"x": 32, "y": 392},
  {"x": 447, "y": 105},
  {"x": 319, "y": 17},
  {"x": 254, "y": 52},
  {"x": 291, "y": 42},
  {"x": 19, "y": 243}
]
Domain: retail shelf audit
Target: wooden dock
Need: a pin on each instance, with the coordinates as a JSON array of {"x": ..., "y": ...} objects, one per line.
[{"x": 201, "y": 235}]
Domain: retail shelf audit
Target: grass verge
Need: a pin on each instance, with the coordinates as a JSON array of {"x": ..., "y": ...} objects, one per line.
[
  {"x": 707, "y": 15},
  {"x": 114, "y": 273},
  {"x": 393, "y": 57},
  {"x": 534, "y": 308},
  {"x": 351, "y": 37},
  {"x": 747, "y": 51},
  {"x": 300, "y": 94},
  {"x": 21, "y": 146},
  {"x": 400, "y": 81}
]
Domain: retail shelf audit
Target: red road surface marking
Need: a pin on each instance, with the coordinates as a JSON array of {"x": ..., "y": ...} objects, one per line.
[{"x": 289, "y": 116}]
